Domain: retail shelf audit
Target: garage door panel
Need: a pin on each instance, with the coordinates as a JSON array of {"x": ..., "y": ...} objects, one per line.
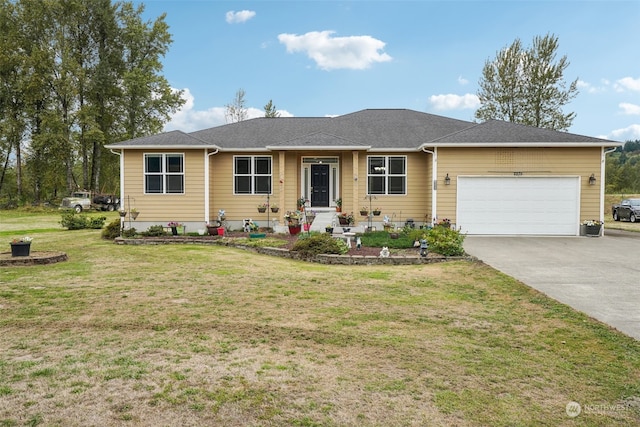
[{"x": 518, "y": 205}]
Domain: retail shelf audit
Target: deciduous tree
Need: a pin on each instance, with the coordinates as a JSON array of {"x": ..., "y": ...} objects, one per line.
[{"x": 526, "y": 86}]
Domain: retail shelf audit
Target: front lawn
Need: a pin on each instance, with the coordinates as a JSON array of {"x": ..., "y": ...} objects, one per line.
[{"x": 211, "y": 335}]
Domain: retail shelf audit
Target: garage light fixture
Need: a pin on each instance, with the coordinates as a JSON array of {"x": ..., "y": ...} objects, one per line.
[
  {"x": 447, "y": 180},
  {"x": 592, "y": 180}
]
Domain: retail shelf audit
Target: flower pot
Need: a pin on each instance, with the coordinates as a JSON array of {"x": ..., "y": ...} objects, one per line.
[
  {"x": 174, "y": 231},
  {"x": 275, "y": 210},
  {"x": 364, "y": 213},
  {"x": 20, "y": 249},
  {"x": 377, "y": 213},
  {"x": 329, "y": 230},
  {"x": 338, "y": 208},
  {"x": 311, "y": 218},
  {"x": 306, "y": 227},
  {"x": 134, "y": 215},
  {"x": 343, "y": 221},
  {"x": 593, "y": 230},
  {"x": 220, "y": 231},
  {"x": 262, "y": 210},
  {"x": 294, "y": 229},
  {"x": 213, "y": 231}
]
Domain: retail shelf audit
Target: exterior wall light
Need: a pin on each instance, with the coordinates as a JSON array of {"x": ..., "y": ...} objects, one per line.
[
  {"x": 592, "y": 180},
  {"x": 447, "y": 180}
]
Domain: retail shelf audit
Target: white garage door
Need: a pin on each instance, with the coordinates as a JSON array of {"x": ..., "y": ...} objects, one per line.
[{"x": 519, "y": 205}]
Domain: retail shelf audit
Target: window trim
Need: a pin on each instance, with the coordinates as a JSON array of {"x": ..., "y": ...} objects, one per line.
[
  {"x": 386, "y": 175},
  {"x": 163, "y": 173},
  {"x": 252, "y": 174}
]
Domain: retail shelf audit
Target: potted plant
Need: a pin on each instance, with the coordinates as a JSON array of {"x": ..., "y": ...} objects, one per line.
[
  {"x": 339, "y": 205},
  {"x": 174, "y": 227},
  {"x": 310, "y": 216},
  {"x": 329, "y": 229},
  {"x": 301, "y": 202},
  {"x": 21, "y": 246},
  {"x": 275, "y": 208},
  {"x": 446, "y": 223},
  {"x": 134, "y": 213},
  {"x": 346, "y": 219},
  {"x": 364, "y": 211},
  {"x": 592, "y": 227},
  {"x": 377, "y": 211},
  {"x": 293, "y": 221},
  {"x": 262, "y": 208}
]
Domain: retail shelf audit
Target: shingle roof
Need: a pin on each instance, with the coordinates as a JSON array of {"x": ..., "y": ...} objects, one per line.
[
  {"x": 501, "y": 132},
  {"x": 391, "y": 129},
  {"x": 167, "y": 139}
]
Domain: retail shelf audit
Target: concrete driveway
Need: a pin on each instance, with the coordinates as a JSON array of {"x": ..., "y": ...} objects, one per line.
[{"x": 599, "y": 276}]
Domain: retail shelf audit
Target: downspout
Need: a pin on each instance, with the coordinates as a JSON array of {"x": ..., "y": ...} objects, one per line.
[
  {"x": 121, "y": 176},
  {"x": 206, "y": 184},
  {"x": 434, "y": 192},
  {"x": 602, "y": 173}
]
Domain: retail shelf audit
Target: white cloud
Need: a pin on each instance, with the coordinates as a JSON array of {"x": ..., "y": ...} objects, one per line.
[
  {"x": 454, "y": 102},
  {"x": 233, "y": 17},
  {"x": 188, "y": 119},
  {"x": 630, "y": 109},
  {"x": 630, "y": 133},
  {"x": 330, "y": 53},
  {"x": 463, "y": 81},
  {"x": 628, "y": 83},
  {"x": 589, "y": 88}
]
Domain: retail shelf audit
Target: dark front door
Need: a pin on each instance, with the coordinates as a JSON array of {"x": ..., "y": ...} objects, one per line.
[{"x": 319, "y": 185}]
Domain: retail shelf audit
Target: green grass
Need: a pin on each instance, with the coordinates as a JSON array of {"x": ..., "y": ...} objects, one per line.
[{"x": 212, "y": 335}]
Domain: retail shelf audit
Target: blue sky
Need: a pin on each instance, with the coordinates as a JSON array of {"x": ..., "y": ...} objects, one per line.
[{"x": 326, "y": 58}]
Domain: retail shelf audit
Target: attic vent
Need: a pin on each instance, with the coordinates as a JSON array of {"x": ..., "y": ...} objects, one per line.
[
  {"x": 505, "y": 157},
  {"x": 520, "y": 159}
]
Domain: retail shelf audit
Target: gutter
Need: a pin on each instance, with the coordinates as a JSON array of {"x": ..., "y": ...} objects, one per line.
[
  {"x": 602, "y": 173},
  {"x": 434, "y": 188},
  {"x": 206, "y": 184}
]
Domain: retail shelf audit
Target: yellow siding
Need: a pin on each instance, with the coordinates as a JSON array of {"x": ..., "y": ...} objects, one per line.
[
  {"x": 415, "y": 204},
  {"x": 529, "y": 161},
  {"x": 240, "y": 206},
  {"x": 165, "y": 207}
]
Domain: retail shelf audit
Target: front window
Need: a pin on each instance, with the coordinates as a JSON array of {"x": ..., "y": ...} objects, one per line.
[
  {"x": 252, "y": 175},
  {"x": 164, "y": 174},
  {"x": 386, "y": 175}
]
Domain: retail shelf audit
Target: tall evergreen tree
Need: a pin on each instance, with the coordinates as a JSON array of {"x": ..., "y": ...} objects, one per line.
[{"x": 270, "y": 110}]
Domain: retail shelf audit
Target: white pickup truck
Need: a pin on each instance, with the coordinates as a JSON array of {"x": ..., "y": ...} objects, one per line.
[{"x": 83, "y": 200}]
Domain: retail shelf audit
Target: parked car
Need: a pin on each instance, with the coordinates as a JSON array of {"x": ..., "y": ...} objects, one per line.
[{"x": 627, "y": 209}]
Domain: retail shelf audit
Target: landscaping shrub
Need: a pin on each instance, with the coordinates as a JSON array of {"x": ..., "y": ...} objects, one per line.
[
  {"x": 131, "y": 232},
  {"x": 320, "y": 243},
  {"x": 155, "y": 231},
  {"x": 378, "y": 239},
  {"x": 112, "y": 230},
  {"x": 445, "y": 241},
  {"x": 74, "y": 221}
]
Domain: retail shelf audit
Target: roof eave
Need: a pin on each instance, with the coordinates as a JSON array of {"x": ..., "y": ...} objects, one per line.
[
  {"x": 161, "y": 147},
  {"x": 521, "y": 144},
  {"x": 318, "y": 147}
]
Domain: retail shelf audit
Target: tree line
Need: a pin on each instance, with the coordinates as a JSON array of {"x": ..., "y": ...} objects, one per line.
[
  {"x": 622, "y": 170},
  {"x": 76, "y": 75}
]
